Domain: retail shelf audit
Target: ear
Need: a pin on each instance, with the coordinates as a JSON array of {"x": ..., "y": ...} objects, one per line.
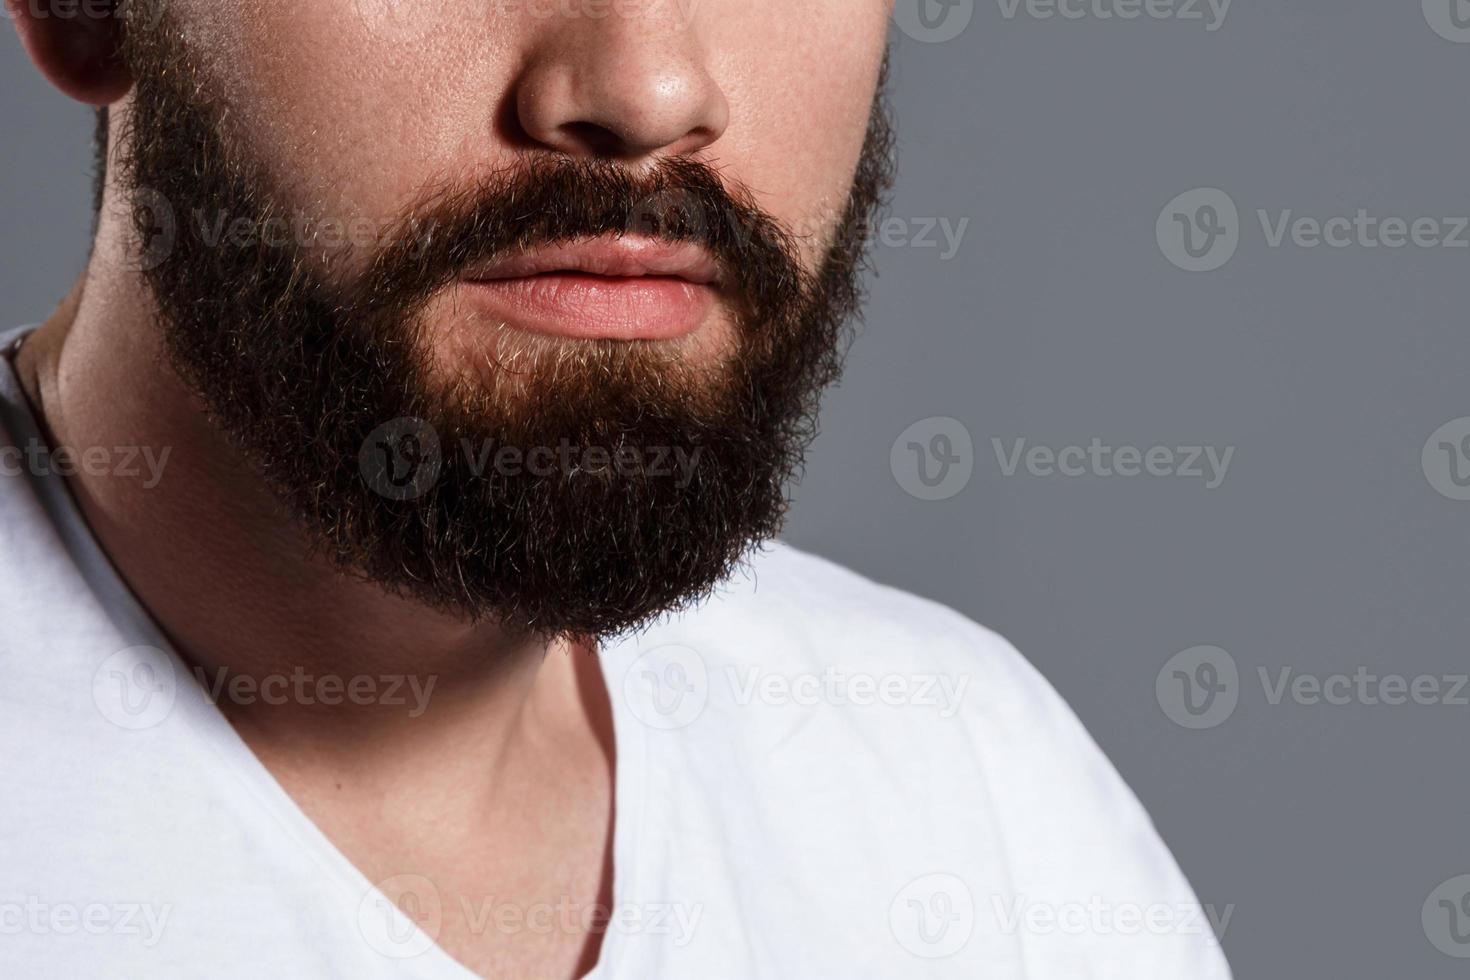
[{"x": 76, "y": 45}]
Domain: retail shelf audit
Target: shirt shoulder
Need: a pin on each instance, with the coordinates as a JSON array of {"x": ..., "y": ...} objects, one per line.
[
  {"x": 946, "y": 757},
  {"x": 795, "y": 588},
  {"x": 988, "y": 707},
  {"x": 798, "y": 610}
]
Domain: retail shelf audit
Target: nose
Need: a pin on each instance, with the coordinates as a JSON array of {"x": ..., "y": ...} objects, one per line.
[{"x": 622, "y": 86}]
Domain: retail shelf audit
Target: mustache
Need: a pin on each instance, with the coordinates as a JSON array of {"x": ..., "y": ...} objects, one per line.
[{"x": 553, "y": 200}]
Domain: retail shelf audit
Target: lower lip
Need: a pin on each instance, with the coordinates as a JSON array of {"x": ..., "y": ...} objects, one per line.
[{"x": 584, "y": 306}]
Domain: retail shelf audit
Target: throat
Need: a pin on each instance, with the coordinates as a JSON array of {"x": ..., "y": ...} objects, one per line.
[{"x": 499, "y": 848}]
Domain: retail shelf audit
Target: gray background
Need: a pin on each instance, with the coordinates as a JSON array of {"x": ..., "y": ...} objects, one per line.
[{"x": 1060, "y": 320}]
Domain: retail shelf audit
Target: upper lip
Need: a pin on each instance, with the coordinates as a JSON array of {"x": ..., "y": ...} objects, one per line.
[{"x": 626, "y": 257}]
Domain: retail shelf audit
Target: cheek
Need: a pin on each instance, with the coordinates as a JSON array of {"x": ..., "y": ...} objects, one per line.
[
  {"x": 354, "y": 106},
  {"x": 801, "y": 98}
]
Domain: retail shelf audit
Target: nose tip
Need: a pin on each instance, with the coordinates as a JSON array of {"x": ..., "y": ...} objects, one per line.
[{"x": 624, "y": 96}]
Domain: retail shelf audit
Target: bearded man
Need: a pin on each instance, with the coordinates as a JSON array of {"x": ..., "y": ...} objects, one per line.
[{"x": 472, "y": 346}]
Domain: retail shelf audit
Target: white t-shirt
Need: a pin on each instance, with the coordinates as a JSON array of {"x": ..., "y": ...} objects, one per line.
[{"x": 817, "y": 776}]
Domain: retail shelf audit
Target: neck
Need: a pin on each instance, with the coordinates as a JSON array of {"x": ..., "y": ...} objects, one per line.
[{"x": 233, "y": 581}]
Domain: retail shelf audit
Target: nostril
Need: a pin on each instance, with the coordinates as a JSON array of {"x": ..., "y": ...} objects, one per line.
[{"x": 595, "y": 139}]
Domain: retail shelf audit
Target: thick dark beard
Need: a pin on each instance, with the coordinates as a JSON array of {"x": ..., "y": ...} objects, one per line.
[{"x": 327, "y": 389}]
